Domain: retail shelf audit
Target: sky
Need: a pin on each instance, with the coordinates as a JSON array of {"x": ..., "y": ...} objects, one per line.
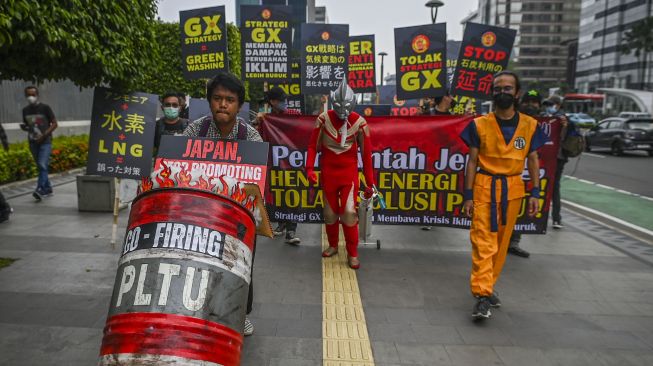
[{"x": 378, "y": 17}]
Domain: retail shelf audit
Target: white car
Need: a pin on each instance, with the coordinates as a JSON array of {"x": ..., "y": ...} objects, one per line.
[{"x": 634, "y": 115}]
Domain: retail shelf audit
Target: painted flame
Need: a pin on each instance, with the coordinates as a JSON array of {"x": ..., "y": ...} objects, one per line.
[
  {"x": 165, "y": 173},
  {"x": 183, "y": 178}
]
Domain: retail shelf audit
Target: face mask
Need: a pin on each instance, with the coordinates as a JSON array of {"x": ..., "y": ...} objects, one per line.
[
  {"x": 31, "y": 99},
  {"x": 551, "y": 109},
  {"x": 504, "y": 100},
  {"x": 171, "y": 112}
]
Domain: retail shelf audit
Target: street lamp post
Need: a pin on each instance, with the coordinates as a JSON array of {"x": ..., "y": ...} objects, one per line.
[
  {"x": 382, "y": 54},
  {"x": 434, "y": 5}
]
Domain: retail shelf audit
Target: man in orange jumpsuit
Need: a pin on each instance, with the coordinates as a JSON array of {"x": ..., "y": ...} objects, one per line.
[
  {"x": 499, "y": 143},
  {"x": 338, "y": 133}
]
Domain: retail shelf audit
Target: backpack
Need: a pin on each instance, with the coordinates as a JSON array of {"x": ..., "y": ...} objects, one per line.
[
  {"x": 242, "y": 128},
  {"x": 573, "y": 144}
]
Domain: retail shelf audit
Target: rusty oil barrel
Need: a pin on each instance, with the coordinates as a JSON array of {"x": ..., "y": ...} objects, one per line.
[{"x": 181, "y": 287}]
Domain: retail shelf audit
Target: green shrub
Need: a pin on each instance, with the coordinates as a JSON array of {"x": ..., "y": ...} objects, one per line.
[{"x": 68, "y": 152}]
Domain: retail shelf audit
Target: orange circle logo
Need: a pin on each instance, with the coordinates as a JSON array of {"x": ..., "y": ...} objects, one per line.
[
  {"x": 367, "y": 111},
  {"x": 421, "y": 43},
  {"x": 398, "y": 102},
  {"x": 266, "y": 14},
  {"x": 488, "y": 39},
  {"x": 325, "y": 36}
]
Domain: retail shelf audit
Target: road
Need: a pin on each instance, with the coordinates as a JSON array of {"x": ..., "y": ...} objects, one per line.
[{"x": 632, "y": 172}]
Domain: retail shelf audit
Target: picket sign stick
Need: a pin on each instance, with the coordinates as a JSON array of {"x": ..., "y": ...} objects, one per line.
[{"x": 116, "y": 209}]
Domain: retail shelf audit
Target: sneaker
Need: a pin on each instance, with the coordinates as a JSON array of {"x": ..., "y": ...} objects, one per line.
[
  {"x": 279, "y": 230},
  {"x": 518, "y": 251},
  {"x": 48, "y": 193},
  {"x": 291, "y": 238},
  {"x": 494, "y": 300},
  {"x": 427, "y": 228},
  {"x": 557, "y": 225},
  {"x": 249, "y": 327},
  {"x": 37, "y": 196},
  {"x": 482, "y": 309}
]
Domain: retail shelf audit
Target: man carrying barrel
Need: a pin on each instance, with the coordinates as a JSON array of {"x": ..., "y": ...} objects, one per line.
[{"x": 226, "y": 94}]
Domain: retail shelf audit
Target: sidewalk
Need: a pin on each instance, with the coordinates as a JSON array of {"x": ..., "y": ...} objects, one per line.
[{"x": 583, "y": 298}]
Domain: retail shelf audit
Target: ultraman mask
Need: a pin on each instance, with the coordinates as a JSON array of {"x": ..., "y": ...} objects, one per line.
[{"x": 343, "y": 100}]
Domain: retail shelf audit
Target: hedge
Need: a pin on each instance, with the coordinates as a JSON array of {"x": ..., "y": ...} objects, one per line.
[{"x": 68, "y": 152}]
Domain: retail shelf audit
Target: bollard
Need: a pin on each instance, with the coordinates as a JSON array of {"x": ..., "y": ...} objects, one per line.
[{"x": 181, "y": 287}]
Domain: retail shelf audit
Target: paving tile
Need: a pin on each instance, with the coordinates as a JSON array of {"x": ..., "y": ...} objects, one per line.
[
  {"x": 385, "y": 352},
  {"x": 470, "y": 355},
  {"x": 422, "y": 354}
]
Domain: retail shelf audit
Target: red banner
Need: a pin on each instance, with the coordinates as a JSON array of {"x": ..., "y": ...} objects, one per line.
[{"x": 419, "y": 165}]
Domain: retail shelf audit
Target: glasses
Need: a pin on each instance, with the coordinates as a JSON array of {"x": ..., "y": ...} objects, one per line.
[{"x": 503, "y": 89}]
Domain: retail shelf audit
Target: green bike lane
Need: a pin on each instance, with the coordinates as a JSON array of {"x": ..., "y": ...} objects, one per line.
[{"x": 629, "y": 207}]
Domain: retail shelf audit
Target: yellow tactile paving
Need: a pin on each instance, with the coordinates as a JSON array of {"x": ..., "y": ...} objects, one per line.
[{"x": 346, "y": 341}]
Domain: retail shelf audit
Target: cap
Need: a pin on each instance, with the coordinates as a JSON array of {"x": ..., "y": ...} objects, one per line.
[
  {"x": 276, "y": 93},
  {"x": 554, "y": 99},
  {"x": 531, "y": 96}
]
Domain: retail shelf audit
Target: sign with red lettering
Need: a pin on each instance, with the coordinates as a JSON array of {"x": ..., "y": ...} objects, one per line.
[
  {"x": 421, "y": 56},
  {"x": 398, "y": 107},
  {"x": 484, "y": 52},
  {"x": 361, "y": 75},
  {"x": 245, "y": 161}
]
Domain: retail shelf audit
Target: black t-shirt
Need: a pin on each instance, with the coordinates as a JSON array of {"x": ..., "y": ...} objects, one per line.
[
  {"x": 163, "y": 128},
  {"x": 436, "y": 112},
  {"x": 37, "y": 118}
]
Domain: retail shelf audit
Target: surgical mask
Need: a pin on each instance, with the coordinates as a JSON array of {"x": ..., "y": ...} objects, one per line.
[
  {"x": 171, "y": 112},
  {"x": 504, "y": 100},
  {"x": 32, "y": 99},
  {"x": 551, "y": 109}
]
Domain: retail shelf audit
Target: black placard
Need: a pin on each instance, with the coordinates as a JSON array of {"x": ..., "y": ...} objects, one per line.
[
  {"x": 485, "y": 51},
  {"x": 324, "y": 56},
  {"x": 293, "y": 89},
  {"x": 203, "y": 42},
  {"x": 420, "y": 56},
  {"x": 361, "y": 74},
  {"x": 265, "y": 42},
  {"x": 122, "y": 134}
]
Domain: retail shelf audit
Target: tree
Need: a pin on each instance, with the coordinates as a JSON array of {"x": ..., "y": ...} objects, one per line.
[
  {"x": 639, "y": 39},
  {"x": 88, "y": 42}
]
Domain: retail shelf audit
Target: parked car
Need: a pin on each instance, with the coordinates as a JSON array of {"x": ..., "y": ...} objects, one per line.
[
  {"x": 621, "y": 134},
  {"x": 582, "y": 120},
  {"x": 634, "y": 115}
]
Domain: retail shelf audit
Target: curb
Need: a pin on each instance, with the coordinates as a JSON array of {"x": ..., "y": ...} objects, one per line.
[
  {"x": 51, "y": 176},
  {"x": 637, "y": 232}
]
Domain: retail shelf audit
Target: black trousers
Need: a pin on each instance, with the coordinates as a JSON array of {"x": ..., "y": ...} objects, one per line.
[
  {"x": 5, "y": 209},
  {"x": 555, "y": 210}
]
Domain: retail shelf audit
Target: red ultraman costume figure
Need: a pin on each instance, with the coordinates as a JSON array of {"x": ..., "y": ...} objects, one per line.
[{"x": 338, "y": 133}]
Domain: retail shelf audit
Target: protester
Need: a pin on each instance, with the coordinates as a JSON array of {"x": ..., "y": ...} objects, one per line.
[
  {"x": 338, "y": 133},
  {"x": 226, "y": 94},
  {"x": 499, "y": 156},
  {"x": 438, "y": 106},
  {"x": 39, "y": 122},
  {"x": 3, "y": 138},
  {"x": 171, "y": 123},
  {"x": 553, "y": 106},
  {"x": 183, "y": 106},
  {"x": 277, "y": 100},
  {"x": 529, "y": 105}
]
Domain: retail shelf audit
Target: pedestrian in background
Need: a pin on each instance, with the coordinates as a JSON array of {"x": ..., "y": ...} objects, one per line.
[
  {"x": 171, "y": 123},
  {"x": 494, "y": 188},
  {"x": 553, "y": 108},
  {"x": 529, "y": 105},
  {"x": 277, "y": 100},
  {"x": 39, "y": 122}
]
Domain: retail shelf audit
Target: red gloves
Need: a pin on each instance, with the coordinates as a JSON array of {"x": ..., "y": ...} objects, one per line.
[{"x": 368, "y": 192}]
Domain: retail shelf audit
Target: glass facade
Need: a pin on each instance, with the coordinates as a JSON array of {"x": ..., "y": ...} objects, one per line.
[
  {"x": 542, "y": 29},
  {"x": 600, "y": 63}
]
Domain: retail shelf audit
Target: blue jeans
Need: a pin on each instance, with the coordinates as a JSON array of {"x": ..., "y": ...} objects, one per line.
[{"x": 41, "y": 154}]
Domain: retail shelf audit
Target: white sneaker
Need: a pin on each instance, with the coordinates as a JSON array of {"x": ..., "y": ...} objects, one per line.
[
  {"x": 249, "y": 327},
  {"x": 557, "y": 225}
]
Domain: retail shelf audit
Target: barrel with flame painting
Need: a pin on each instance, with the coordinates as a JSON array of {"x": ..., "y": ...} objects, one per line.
[{"x": 181, "y": 288}]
